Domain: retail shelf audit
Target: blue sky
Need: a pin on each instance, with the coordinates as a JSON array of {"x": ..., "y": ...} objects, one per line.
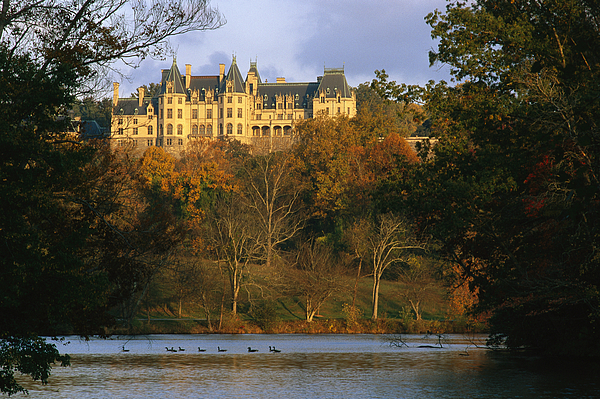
[{"x": 297, "y": 39}]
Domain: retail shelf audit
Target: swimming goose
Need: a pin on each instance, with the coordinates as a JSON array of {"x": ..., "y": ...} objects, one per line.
[
  {"x": 124, "y": 350},
  {"x": 201, "y": 350},
  {"x": 274, "y": 350},
  {"x": 252, "y": 350},
  {"x": 181, "y": 349},
  {"x": 221, "y": 350}
]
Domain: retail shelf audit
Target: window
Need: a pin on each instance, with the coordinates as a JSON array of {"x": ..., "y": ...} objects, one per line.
[
  {"x": 220, "y": 129},
  {"x": 179, "y": 114},
  {"x": 120, "y": 131},
  {"x": 169, "y": 129},
  {"x": 202, "y": 129},
  {"x": 170, "y": 90},
  {"x": 169, "y": 141},
  {"x": 160, "y": 130},
  {"x": 322, "y": 99},
  {"x": 170, "y": 100},
  {"x": 120, "y": 122},
  {"x": 339, "y": 110},
  {"x": 239, "y": 128},
  {"x": 289, "y": 116},
  {"x": 229, "y": 100},
  {"x": 239, "y": 112},
  {"x": 150, "y": 114},
  {"x": 280, "y": 106},
  {"x": 194, "y": 129},
  {"x": 179, "y": 100},
  {"x": 180, "y": 141},
  {"x": 161, "y": 114},
  {"x": 279, "y": 116},
  {"x": 180, "y": 129},
  {"x": 150, "y": 131},
  {"x": 135, "y": 131},
  {"x": 135, "y": 122},
  {"x": 169, "y": 113},
  {"x": 194, "y": 114},
  {"x": 229, "y": 128},
  {"x": 209, "y": 130},
  {"x": 229, "y": 112},
  {"x": 149, "y": 143},
  {"x": 209, "y": 114},
  {"x": 135, "y": 143},
  {"x": 220, "y": 113},
  {"x": 239, "y": 100},
  {"x": 258, "y": 116},
  {"x": 258, "y": 106}
]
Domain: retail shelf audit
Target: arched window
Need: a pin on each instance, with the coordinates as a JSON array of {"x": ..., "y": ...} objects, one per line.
[
  {"x": 240, "y": 128},
  {"x": 180, "y": 129},
  {"x": 229, "y": 128},
  {"x": 209, "y": 130},
  {"x": 194, "y": 129},
  {"x": 202, "y": 129},
  {"x": 169, "y": 129},
  {"x": 150, "y": 131}
]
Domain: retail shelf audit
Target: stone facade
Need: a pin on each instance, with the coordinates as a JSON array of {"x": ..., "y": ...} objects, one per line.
[{"x": 225, "y": 106}]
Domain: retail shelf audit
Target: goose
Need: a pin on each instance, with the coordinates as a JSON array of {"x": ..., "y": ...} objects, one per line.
[
  {"x": 221, "y": 350},
  {"x": 181, "y": 349},
  {"x": 170, "y": 349},
  {"x": 124, "y": 350},
  {"x": 274, "y": 350},
  {"x": 252, "y": 350},
  {"x": 201, "y": 350}
]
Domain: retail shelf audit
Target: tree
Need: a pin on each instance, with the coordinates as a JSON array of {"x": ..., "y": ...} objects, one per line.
[
  {"x": 273, "y": 194},
  {"x": 419, "y": 283},
  {"x": 388, "y": 241},
  {"x": 315, "y": 277},
  {"x": 55, "y": 228},
  {"x": 233, "y": 239},
  {"x": 512, "y": 190}
]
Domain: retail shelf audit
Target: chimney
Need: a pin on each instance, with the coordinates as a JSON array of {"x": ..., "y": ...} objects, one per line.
[
  {"x": 280, "y": 80},
  {"x": 115, "y": 94},
  {"x": 141, "y": 93},
  {"x": 221, "y": 72},
  {"x": 188, "y": 75}
]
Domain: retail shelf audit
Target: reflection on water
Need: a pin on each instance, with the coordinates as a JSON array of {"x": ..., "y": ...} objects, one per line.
[{"x": 309, "y": 366}]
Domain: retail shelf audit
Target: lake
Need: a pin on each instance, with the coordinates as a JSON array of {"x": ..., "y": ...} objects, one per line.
[{"x": 308, "y": 366}]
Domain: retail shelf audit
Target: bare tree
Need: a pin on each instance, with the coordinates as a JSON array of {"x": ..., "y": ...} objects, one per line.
[
  {"x": 273, "y": 195},
  {"x": 90, "y": 35},
  {"x": 234, "y": 241},
  {"x": 419, "y": 284},
  {"x": 389, "y": 241},
  {"x": 316, "y": 276}
]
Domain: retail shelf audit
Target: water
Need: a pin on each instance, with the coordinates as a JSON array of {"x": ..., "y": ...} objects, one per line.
[{"x": 308, "y": 366}]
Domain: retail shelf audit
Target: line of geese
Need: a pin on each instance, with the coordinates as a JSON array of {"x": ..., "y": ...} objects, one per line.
[{"x": 219, "y": 349}]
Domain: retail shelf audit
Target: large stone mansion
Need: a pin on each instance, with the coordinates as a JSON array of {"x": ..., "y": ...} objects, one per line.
[{"x": 224, "y": 106}]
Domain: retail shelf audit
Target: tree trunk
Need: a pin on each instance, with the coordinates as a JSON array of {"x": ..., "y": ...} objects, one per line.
[
  {"x": 415, "y": 307},
  {"x": 376, "y": 280},
  {"x": 356, "y": 283}
]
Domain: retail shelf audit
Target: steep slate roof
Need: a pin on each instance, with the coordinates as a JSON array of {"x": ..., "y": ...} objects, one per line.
[
  {"x": 235, "y": 76},
  {"x": 131, "y": 106},
  {"x": 203, "y": 84},
  {"x": 302, "y": 93},
  {"x": 334, "y": 80},
  {"x": 172, "y": 75}
]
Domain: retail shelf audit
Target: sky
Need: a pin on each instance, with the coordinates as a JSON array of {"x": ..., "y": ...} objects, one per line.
[{"x": 297, "y": 39}]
